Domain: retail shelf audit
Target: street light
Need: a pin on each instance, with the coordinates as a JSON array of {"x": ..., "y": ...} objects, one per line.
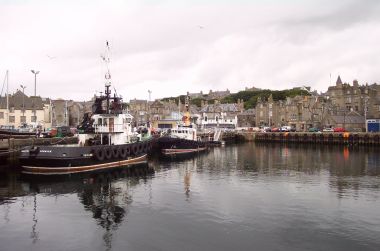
[
  {"x": 35, "y": 80},
  {"x": 365, "y": 112},
  {"x": 23, "y": 99}
]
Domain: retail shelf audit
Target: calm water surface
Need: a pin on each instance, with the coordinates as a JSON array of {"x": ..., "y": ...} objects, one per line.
[{"x": 238, "y": 197}]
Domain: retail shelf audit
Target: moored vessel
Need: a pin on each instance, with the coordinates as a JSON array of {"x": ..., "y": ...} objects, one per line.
[
  {"x": 105, "y": 140},
  {"x": 182, "y": 140}
]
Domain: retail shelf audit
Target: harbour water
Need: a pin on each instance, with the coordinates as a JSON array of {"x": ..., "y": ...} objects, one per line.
[{"x": 238, "y": 197}]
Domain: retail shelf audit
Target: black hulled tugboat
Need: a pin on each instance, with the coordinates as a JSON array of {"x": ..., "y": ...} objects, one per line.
[
  {"x": 182, "y": 140},
  {"x": 105, "y": 141}
]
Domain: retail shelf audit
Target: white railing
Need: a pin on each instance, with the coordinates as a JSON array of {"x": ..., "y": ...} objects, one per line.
[
  {"x": 217, "y": 134},
  {"x": 110, "y": 128}
]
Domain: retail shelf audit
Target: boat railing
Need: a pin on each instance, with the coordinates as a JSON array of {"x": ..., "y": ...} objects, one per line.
[{"x": 109, "y": 128}]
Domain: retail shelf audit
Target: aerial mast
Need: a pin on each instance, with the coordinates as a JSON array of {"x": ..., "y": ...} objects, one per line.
[
  {"x": 7, "y": 120},
  {"x": 106, "y": 59}
]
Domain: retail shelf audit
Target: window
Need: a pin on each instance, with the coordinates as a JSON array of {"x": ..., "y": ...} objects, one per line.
[
  {"x": 11, "y": 119},
  {"x": 34, "y": 119},
  {"x": 23, "y": 119},
  {"x": 12, "y": 109},
  {"x": 1, "y": 115}
]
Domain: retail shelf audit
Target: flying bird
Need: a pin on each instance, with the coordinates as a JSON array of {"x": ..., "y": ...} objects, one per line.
[{"x": 50, "y": 57}]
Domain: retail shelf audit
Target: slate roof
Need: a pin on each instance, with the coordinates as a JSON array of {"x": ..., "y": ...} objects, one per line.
[
  {"x": 220, "y": 108},
  {"x": 348, "y": 119},
  {"x": 18, "y": 99}
]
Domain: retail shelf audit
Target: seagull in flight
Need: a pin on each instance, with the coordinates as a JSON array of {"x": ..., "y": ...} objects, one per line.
[{"x": 51, "y": 57}]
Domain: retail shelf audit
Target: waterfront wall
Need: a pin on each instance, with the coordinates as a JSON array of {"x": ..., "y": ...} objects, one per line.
[
  {"x": 15, "y": 144},
  {"x": 313, "y": 138}
]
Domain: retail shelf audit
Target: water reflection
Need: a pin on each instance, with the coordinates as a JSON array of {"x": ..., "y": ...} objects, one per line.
[
  {"x": 280, "y": 197},
  {"x": 348, "y": 168},
  {"x": 105, "y": 194}
]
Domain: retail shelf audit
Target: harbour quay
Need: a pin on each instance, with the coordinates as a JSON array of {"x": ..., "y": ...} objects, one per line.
[{"x": 344, "y": 138}]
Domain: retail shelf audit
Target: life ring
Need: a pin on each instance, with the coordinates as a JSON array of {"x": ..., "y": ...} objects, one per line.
[
  {"x": 122, "y": 152},
  {"x": 115, "y": 152},
  {"x": 108, "y": 152},
  {"x": 99, "y": 154}
]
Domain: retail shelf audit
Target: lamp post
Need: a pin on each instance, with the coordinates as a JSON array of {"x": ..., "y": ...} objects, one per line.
[
  {"x": 35, "y": 87},
  {"x": 23, "y": 99},
  {"x": 365, "y": 112},
  {"x": 35, "y": 80}
]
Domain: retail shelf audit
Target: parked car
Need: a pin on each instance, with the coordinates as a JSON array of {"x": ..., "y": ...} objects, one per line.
[
  {"x": 339, "y": 129},
  {"x": 266, "y": 129},
  {"x": 286, "y": 129},
  {"x": 314, "y": 129},
  {"x": 328, "y": 130},
  {"x": 275, "y": 129}
]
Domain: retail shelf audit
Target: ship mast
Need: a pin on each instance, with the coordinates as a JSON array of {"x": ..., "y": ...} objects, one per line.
[
  {"x": 7, "y": 120},
  {"x": 106, "y": 59}
]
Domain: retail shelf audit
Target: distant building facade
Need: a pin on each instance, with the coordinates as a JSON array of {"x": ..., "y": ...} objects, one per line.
[
  {"x": 22, "y": 109},
  {"x": 220, "y": 115}
]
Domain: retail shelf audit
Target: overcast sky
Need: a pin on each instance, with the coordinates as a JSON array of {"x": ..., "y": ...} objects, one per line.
[{"x": 171, "y": 47}]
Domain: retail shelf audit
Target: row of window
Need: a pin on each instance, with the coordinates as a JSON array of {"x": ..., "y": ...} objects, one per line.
[{"x": 12, "y": 119}]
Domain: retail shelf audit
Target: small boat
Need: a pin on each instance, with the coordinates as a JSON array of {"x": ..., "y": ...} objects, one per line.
[
  {"x": 182, "y": 140},
  {"x": 105, "y": 140}
]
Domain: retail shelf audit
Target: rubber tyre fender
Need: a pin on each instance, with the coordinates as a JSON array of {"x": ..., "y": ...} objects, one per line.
[
  {"x": 108, "y": 153},
  {"x": 115, "y": 152},
  {"x": 135, "y": 149},
  {"x": 140, "y": 146},
  {"x": 123, "y": 152},
  {"x": 100, "y": 154},
  {"x": 128, "y": 149}
]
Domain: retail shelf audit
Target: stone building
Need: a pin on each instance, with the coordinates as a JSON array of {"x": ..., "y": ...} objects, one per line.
[
  {"x": 195, "y": 95},
  {"x": 352, "y": 121},
  {"x": 247, "y": 118},
  {"x": 68, "y": 112},
  {"x": 363, "y": 99},
  {"x": 23, "y": 109},
  {"x": 218, "y": 94},
  {"x": 300, "y": 112},
  {"x": 220, "y": 115},
  {"x": 139, "y": 109}
]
